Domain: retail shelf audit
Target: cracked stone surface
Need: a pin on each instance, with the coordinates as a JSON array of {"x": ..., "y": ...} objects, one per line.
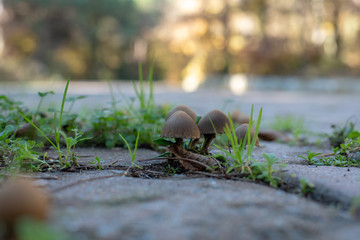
[{"x": 205, "y": 208}]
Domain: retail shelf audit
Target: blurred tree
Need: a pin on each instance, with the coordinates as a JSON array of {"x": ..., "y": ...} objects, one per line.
[
  {"x": 258, "y": 37},
  {"x": 194, "y": 38},
  {"x": 86, "y": 39}
]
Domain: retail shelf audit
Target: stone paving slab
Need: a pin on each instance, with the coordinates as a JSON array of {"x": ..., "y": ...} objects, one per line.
[
  {"x": 206, "y": 208},
  {"x": 200, "y": 208},
  {"x": 191, "y": 209}
]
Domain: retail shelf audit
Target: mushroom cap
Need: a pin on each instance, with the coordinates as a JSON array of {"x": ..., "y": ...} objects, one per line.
[
  {"x": 183, "y": 108},
  {"x": 239, "y": 117},
  {"x": 213, "y": 122},
  {"x": 241, "y": 133},
  {"x": 20, "y": 198},
  {"x": 180, "y": 125}
]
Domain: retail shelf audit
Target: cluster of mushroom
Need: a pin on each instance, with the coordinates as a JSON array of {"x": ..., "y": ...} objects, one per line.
[{"x": 180, "y": 123}]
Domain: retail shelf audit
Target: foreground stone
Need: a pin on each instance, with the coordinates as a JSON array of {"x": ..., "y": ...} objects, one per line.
[
  {"x": 180, "y": 207},
  {"x": 192, "y": 209}
]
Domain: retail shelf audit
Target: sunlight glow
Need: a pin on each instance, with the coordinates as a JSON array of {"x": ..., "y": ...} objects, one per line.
[
  {"x": 188, "y": 6},
  {"x": 318, "y": 36},
  {"x": 191, "y": 83},
  {"x": 238, "y": 84},
  {"x": 236, "y": 43}
]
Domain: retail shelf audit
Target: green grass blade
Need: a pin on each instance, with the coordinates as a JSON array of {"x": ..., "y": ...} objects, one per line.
[
  {"x": 127, "y": 145},
  {"x": 136, "y": 89},
  {"x": 150, "y": 103},
  {"x": 113, "y": 100},
  {"x": 63, "y": 103},
  {"x": 141, "y": 83},
  {"x": 38, "y": 129},
  {"x": 135, "y": 147}
]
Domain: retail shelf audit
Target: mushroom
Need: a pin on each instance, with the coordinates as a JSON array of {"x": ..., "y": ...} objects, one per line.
[
  {"x": 183, "y": 108},
  {"x": 241, "y": 133},
  {"x": 272, "y": 135},
  {"x": 239, "y": 117},
  {"x": 18, "y": 199},
  {"x": 212, "y": 123},
  {"x": 180, "y": 125}
]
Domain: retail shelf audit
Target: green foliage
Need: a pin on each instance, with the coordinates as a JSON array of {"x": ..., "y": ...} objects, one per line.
[
  {"x": 72, "y": 100},
  {"x": 310, "y": 157},
  {"x": 355, "y": 207},
  {"x": 240, "y": 156},
  {"x": 98, "y": 163},
  {"x": 18, "y": 154},
  {"x": 306, "y": 187},
  {"x": 9, "y": 112},
  {"x": 265, "y": 170},
  {"x": 162, "y": 141},
  {"x": 57, "y": 125},
  {"x": 42, "y": 95},
  {"x": 347, "y": 150},
  {"x": 70, "y": 144},
  {"x": 147, "y": 118},
  {"x": 171, "y": 170},
  {"x": 29, "y": 229},
  {"x": 339, "y": 134},
  {"x": 288, "y": 123}
]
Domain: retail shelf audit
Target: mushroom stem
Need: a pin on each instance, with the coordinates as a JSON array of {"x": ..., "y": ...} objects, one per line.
[
  {"x": 207, "y": 140},
  {"x": 192, "y": 143},
  {"x": 178, "y": 141},
  {"x": 10, "y": 232}
]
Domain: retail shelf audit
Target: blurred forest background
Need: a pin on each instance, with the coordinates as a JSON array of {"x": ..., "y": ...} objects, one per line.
[{"x": 186, "y": 39}]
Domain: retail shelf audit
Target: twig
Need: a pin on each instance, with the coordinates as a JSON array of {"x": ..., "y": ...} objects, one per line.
[
  {"x": 113, "y": 163},
  {"x": 194, "y": 161},
  {"x": 155, "y": 158},
  {"x": 84, "y": 180},
  {"x": 356, "y": 149}
]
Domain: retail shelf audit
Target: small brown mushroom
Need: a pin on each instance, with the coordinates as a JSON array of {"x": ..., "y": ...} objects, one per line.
[
  {"x": 272, "y": 135},
  {"x": 183, "y": 108},
  {"x": 239, "y": 118},
  {"x": 212, "y": 123},
  {"x": 241, "y": 133},
  {"x": 180, "y": 125},
  {"x": 18, "y": 199}
]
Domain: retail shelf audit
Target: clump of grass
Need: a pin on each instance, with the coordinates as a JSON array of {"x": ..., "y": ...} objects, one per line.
[
  {"x": 310, "y": 157},
  {"x": 240, "y": 160},
  {"x": 240, "y": 154},
  {"x": 339, "y": 134},
  {"x": 265, "y": 171},
  {"x": 132, "y": 153},
  {"x": 57, "y": 125},
  {"x": 146, "y": 118},
  {"x": 288, "y": 123},
  {"x": 306, "y": 187}
]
